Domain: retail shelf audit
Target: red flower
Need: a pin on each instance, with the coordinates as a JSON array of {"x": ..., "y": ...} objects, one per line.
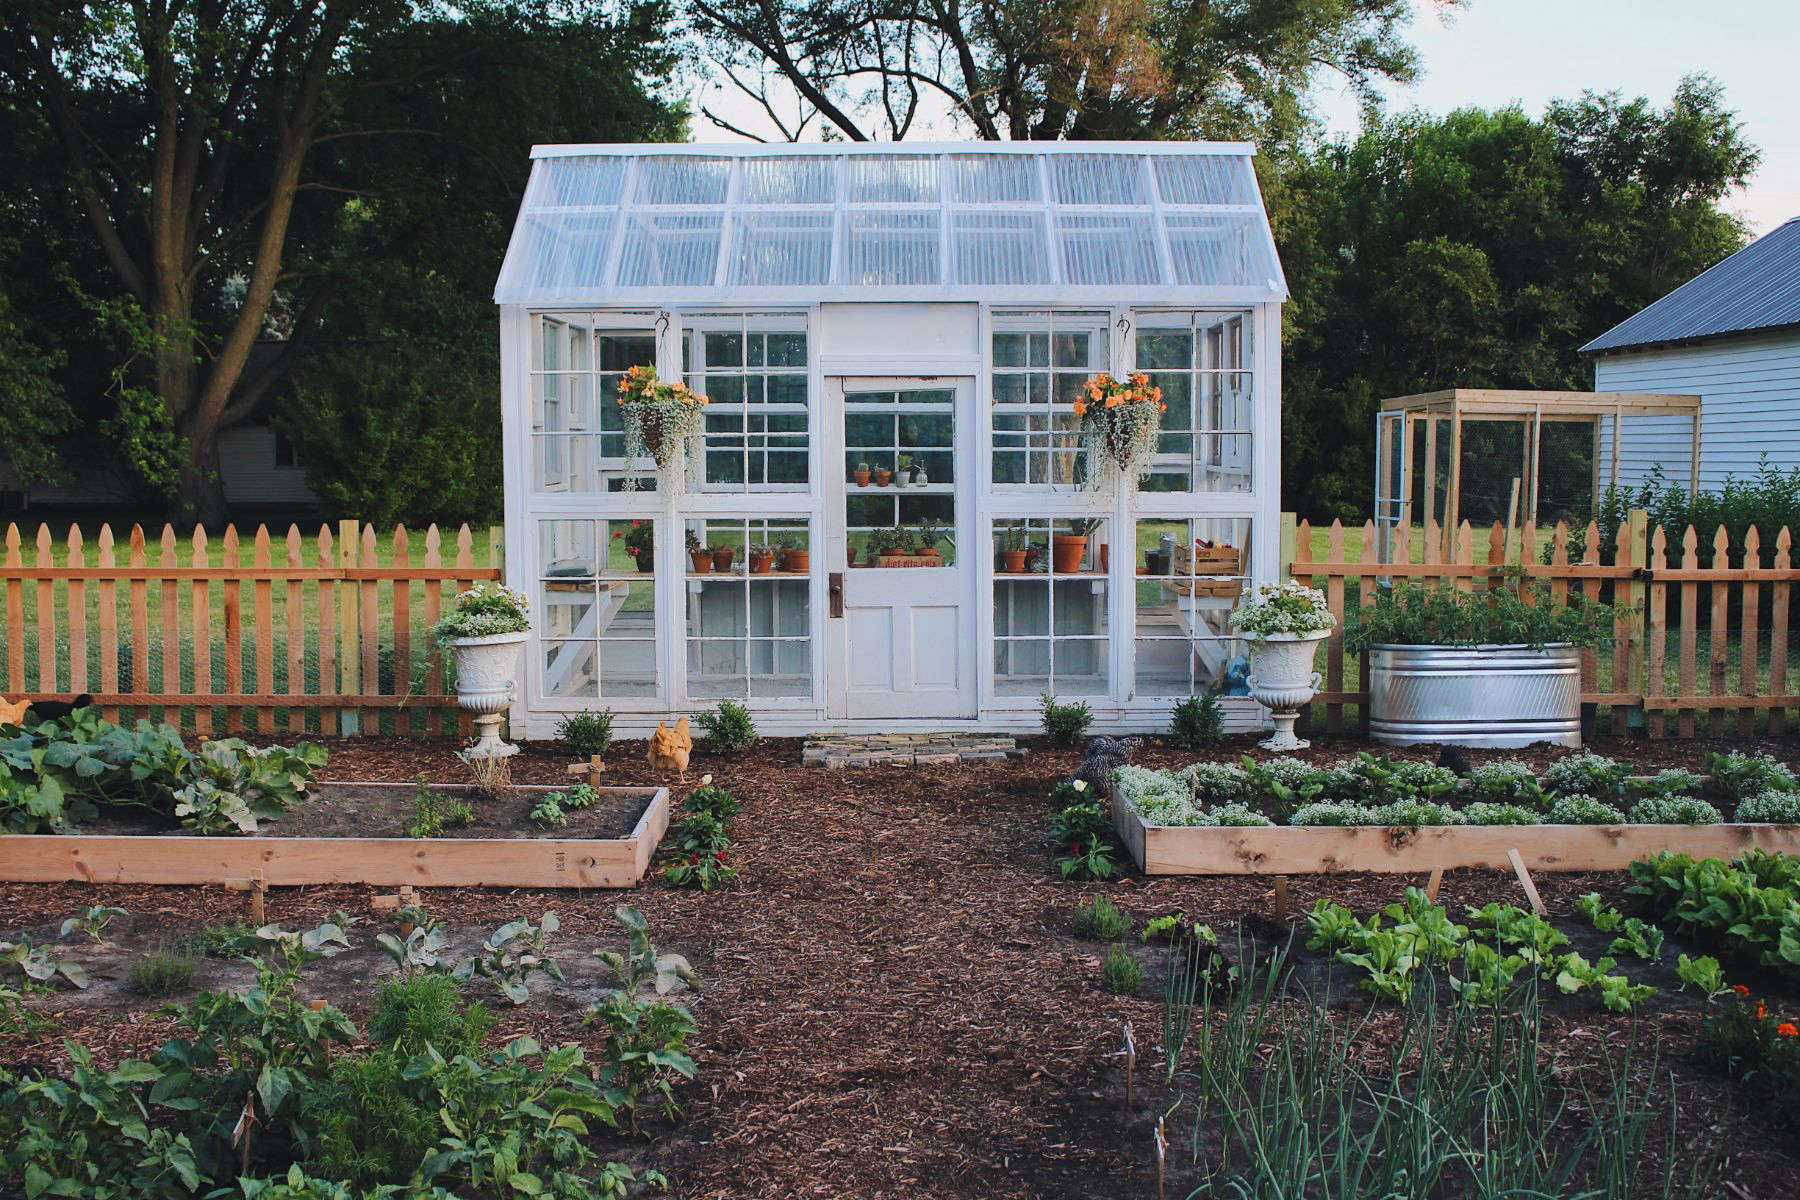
[
  {"x": 1074, "y": 847},
  {"x": 1762, "y": 1011},
  {"x": 719, "y": 855},
  {"x": 1740, "y": 989},
  {"x": 1788, "y": 1029},
  {"x": 618, "y": 533},
  {"x": 694, "y": 858}
]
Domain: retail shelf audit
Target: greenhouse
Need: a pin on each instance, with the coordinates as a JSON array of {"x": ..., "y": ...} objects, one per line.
[{"x": 890, "y": 509}]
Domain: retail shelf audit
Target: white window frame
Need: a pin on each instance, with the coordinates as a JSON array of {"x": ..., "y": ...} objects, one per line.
[{"x": 691, "y": 338}]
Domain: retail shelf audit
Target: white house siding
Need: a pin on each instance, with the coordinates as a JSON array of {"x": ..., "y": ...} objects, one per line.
[
  {"x": 1750, "y": 406},
  {"x": 247, "y": 465}
]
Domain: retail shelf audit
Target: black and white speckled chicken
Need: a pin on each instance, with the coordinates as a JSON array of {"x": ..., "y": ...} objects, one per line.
[{"x": 1104, "y": 756}]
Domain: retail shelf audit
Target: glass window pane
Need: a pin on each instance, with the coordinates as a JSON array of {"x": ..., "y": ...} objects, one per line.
[
  {"x": 1190, "y": 573},
  {"x": 1051, "y": 595}
]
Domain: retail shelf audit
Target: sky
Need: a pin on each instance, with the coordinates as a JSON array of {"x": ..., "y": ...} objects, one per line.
[{"x": 1495, "y": 52}]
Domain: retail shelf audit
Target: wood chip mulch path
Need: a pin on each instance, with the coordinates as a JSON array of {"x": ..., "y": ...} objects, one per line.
[{"x": 895, "y": 1002}]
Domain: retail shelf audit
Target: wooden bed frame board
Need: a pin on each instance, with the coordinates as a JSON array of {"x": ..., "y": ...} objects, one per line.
[
  {"x": 286, "y": 861},
  {"x": 1315, "y": 850}
]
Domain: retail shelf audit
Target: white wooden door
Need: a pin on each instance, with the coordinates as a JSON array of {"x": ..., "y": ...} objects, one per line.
[{"x": 900, "y": 640}]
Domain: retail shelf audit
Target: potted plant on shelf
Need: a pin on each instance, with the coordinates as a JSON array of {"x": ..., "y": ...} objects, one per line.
[
  {"x": 795, "y": 556},
  {"x": 1067, "y": 550},
  {"x": 1500, "y": 667},
  {"x": 894, "y": 543},
  {"x": 904, "y": 475},
  {"x": 659, "y": 418},
  {"x": 919, "y": 477},
  {"x": 761, "y": 557},
  {"x": 483, "y": 632},
  {"x": 882, "y": 475},
  {"x": 698, "y": 554},
  {"x": 862, "y": 474},
  {"x": 1283, "y": 624},
  {"x": 1012, "y": 549},
  {"x": 721, "y": 559},
  {"x": 1120, "y": 419},
  {"x": 926, "y": 537},
  {"x": 640, "y": 544}
]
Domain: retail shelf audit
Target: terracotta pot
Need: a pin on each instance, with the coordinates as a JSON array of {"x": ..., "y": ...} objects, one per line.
[
  {"x": 862, "y": 478},
  {"x": 1066, "y": 552},
  {"x": 1105, "y": 557},
  {"x": 760, "y": 563},
  {"x": 850, "y": 556},
  {"x": 702, "y": 560},
  {"x": 721, "y": 559},
  {"x": 1015, "y": 561},
  {"x": 882, "y": 476},
  {"x": 799, "y": 561}
]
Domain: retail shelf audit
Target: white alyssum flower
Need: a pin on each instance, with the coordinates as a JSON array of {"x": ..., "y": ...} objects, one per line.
[{"x": 1288, "y": 607}]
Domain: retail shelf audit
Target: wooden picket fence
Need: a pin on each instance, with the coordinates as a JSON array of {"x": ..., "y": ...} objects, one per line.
[
  {"x": 1718, "y": 667},
  {"x": 328, "y": 634}
]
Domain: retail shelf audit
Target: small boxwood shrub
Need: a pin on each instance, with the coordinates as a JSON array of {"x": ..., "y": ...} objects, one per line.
[
  {"x": 1065, "y": 724},
  {"x": 1674, "y": 810},
  {"x": 1197, "y": 723},
  {"x": 1102, "y": 920},
  {"x": 1582, "y": 810},
  {"x": 588, "y": 733},
  {"x": 162, "y": 972},
  {"x": 729, "y": 729},
  {"x": 1775, "y": 806},
  {"x": 1120, "y": 972}
]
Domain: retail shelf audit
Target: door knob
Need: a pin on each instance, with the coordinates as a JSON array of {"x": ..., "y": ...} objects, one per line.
[{"x": 835, "y": 589}]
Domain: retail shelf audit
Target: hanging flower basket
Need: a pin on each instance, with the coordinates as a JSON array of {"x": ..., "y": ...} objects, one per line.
[
  {"x": 1120, "y": 420},
  {"x": 659, "y": 419}
]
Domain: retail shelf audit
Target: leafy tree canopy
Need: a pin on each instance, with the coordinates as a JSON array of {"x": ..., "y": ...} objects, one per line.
[{"x": 1481, "y": 249}]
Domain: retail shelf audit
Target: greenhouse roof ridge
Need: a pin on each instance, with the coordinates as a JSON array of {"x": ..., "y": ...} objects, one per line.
[
  {"x": 1040, "y": 223},
  {"x": 739, "y": 149}
]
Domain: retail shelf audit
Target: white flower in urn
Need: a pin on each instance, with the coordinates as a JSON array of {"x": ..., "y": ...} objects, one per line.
[
  {"x": 1276, "y": 608},
  {"x": 1282, "y": 623}
]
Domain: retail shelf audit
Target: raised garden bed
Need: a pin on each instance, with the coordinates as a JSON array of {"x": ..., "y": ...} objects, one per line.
[
  {"x": 355, "y": 832},
  {"x": 1310, "y": 850}
]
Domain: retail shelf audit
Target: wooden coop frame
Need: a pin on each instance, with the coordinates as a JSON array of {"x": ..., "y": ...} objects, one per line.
[{"x": 1446, "y": 410}]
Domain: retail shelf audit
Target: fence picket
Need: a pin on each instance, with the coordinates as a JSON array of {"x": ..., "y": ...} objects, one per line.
[
  {"x": 1779, "y": 592},
  {"x": 1334, "y": 645},
  {"x": 265, "y": 630},
  {"x": 369, "y": 628},
  {"x": 294, "y": 719},
  {"x": 434, "y": 591},
  {"x": 76, "y": 612},
  {"x": 1721, "y": 599},
  {"x": 401, "y": 605},
  {"x": 46, "y": 615},
  {"x": 233, "y": 597},
  {"x": 139, "y": 600},
  {"x": 1690, "y": 623},
  {"x": 170, "y": 611},
  {"x": 202, "y": 620},
  {"x": 1365, "y": 594},
  {"x": 1749, "y": 642},
  {"x": 1655, "y": 686},
  {"x": 108, "y": 600},
  {"x": 16, "y": 684},
  {"x": 330, "y": 716}
]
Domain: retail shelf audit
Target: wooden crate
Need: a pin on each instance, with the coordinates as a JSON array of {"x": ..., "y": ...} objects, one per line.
[
  {"x": 286, "y": 861},
  {"x": 1189, "y": 562},
  {"x": 1287, "y": 850}
]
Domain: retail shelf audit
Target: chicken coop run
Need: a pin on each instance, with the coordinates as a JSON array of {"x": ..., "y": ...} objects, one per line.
[
  {"x": 887, "y": 514},
  {"x": 1517, "y": 457}
]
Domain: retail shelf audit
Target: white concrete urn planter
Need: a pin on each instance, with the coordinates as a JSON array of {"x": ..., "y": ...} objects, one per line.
[
  {"x": 1282, "y": 680},
  {"x": 486, "y": 668}
]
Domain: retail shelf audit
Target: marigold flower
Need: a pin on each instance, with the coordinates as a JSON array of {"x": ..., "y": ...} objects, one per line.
[
  {"x": 1788, "y": 1029},
  {"x": 1762, "y": 1011},
  {"x": 1740, "y": 989}
]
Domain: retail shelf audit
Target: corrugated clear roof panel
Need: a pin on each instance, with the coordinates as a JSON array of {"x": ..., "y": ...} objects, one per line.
[
  {"x": 561, "y": 182},
  {"x": 1102, "y": 248},
  {"x": 893, "y": 179},
  {"x": 996, "y": 179},
  {"x": 1100, "y": 179},
  {"x": 1205, "y": 179},
  {"x": 682, "y": 179},
  {"x": 802, "y": 179},
  {"x": 670, "y": 250},
  {"x": 557, "y": 254},
  {"x": 1217, "y": 249},
  {"x": 893, "y": 247},
  {"x": 999, "y": 247},
  {"x": 781, "y": 249}
]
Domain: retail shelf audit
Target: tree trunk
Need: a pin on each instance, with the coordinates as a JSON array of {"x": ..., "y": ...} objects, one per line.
[{"x": 201, "y": 499}]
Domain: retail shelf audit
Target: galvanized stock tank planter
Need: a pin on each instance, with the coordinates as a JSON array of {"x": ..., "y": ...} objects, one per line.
[{"x": 1490, "y": 696}]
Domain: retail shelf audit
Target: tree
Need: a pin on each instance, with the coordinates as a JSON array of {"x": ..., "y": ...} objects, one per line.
[
  {"x": 395, "y": 413},
  {"x": 1047, "y": 69},
  {"x": 1482, "y": 249}
]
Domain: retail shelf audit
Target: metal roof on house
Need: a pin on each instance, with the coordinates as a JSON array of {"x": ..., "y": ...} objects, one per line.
[
  {"x": 1027, "y": 222},
  {"x": 1757, "y": 288}
]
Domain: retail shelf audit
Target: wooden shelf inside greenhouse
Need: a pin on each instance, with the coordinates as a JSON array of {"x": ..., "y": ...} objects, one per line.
[
  {"x": 537, "y": 862},
  {"x": 1316, "y": 850}
]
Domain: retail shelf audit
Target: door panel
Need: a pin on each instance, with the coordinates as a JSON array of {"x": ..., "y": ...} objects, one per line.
[{"x": 903, "y": 647}]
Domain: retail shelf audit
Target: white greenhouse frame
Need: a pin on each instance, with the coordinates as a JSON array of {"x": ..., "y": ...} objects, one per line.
[{"x": 574, "y": 254}]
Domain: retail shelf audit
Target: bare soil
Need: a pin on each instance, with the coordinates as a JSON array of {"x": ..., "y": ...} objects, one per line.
[{"x": 895, "y": 1001}]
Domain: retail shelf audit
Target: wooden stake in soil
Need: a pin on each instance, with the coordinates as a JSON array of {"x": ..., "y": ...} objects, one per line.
[
  {"x": 1433, "y": 883},
  {"x": 1531, "y": 892},
  {"x": 1281, "y": 899},
  {"x": 591, "y": 768},
  {"x": 257, "y": 889},
  {"x": 1162, "y": 1154},
  {"x": 1130, "y": 1061}
]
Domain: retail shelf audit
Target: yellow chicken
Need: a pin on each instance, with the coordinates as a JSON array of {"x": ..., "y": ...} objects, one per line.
[{"x": 671, "y": 747}]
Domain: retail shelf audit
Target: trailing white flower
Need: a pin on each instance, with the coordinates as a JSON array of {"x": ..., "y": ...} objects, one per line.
[
  {"x": 484, "y": 610},
  {"x": 1287, "y": 607}
]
